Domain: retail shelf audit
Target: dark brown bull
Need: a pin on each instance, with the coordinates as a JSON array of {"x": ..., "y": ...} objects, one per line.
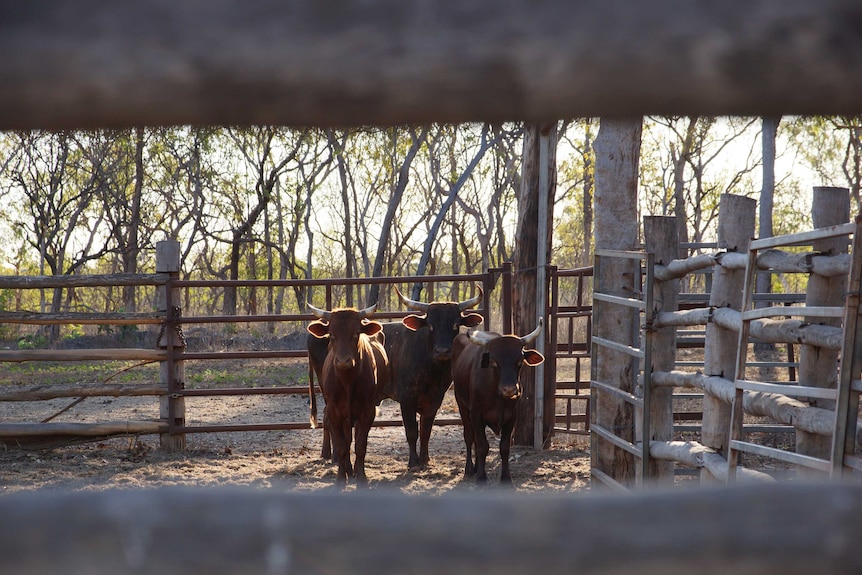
[
  {"x": 485, "y": 369},
  {"x": 348, "y": 380},
  {"x": 420, "y": 353}
]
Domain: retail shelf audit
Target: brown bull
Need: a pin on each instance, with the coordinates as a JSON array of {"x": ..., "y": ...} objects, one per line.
[
  {"x": 420, "y": 353},
  {"x": 485, "y": 369},
  {"x": 348, "y": 380},
  {"x": 317, "y": 351}
]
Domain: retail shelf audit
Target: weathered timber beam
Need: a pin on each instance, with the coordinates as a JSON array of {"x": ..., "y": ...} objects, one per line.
[
  {"x": 44, "y": 392},
  {"x": 10, "y": 430},
  {"x": 809, "y": 262},
  {"x": 694, "y": 454},
  {"x": 780, "y": 408},
  {"x": 781, "y": 330},
  {"x": 732, "y": 260},
  {"x": 682, "y": 318},
  {"x": 775, "y": 260},
  {"x": 117, "y": 354},
  {"x": 94, "y": 280},
  {"x": 676, "y": 269},
  {"x": 98, "y": 63},
  {"x": 750, "y": 529},
  {"x": 765, "y": 330},
  {"x": 112, "y": 318}
]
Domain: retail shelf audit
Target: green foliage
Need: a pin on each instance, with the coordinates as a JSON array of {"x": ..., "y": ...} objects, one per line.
[
  {"x": 35, "y": 341},
  {"x": 72, "y": 331}
]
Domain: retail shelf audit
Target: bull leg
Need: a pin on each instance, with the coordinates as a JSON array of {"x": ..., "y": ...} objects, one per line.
[
  {"x": 426, "y": 423},
  {"x": 361, "y": 436},
  {"x": 505, "y": 448},
  {"x": 341, "y": 447},
  {"x": 482, "y": 448},
  {"x": 326, "y": 447},
  {"x": 469, "y": 440},
  {"x": 411, "y": 430}
]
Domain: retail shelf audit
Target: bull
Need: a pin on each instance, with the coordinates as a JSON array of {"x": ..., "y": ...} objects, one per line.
[
  {"x": 485, "y": 370},
  {"x": 420, "y": 352},
  {"x": 348, "y": 380},
  {"x": 317, "y": 349}
]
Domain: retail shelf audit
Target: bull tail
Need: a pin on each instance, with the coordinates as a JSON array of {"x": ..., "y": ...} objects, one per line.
[{"x": 312, "y": 396}]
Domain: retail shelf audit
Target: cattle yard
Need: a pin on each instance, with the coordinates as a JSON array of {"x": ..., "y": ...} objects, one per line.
[{"x": 182, "y": 398}]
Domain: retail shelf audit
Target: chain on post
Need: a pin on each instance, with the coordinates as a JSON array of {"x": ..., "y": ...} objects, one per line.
[{"x": 174, "y": 316}]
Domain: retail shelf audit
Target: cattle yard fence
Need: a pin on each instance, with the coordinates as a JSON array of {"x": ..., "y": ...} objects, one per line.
[
  {"x": 764, "y": 417},
  {"x": 175, "y": 358}
]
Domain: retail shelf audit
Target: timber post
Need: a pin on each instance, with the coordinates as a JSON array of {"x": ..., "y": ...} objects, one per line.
[
  {"x": 661, "y": 237},
  {"x": 818, "y": 367},
  {"x": 736, "y": 215},
  {"x": 172, "y": 406}
]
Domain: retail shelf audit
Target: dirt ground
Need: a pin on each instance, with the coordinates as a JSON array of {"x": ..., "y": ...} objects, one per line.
[{"x": 281, "y": 460}]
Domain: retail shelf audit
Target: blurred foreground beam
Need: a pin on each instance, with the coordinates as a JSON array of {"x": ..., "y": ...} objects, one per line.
[
  {"x": 767, "y": 529},
  {"x": 100, "y": 63}
]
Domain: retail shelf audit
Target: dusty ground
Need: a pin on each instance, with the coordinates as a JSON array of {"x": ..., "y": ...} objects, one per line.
[{"x": 282, "y": 460}]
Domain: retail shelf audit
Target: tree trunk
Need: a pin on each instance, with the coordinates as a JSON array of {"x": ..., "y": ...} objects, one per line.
[
  {"x": 768, "y": 132},
  {"x": 394, "y": 202},
  {"x": 130, "y": 254},
  {"x": 589, "y": 184},
  {"x": 349, "y": 264},
  {"x": 525, "y": 314},
  {"x": 617, "y": 151}
]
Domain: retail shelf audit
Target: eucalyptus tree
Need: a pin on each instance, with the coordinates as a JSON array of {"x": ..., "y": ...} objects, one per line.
[
  {"x": 690, "y": 161},
  {"x": 62, "y": 216},
  {"x": 181, "y": 174},
  {"x": 831, "y": 147},
  {"x": 448, "y": 182},
  {"x": 528, "y": 244},
  {"x": 263, "y": 155},
  {"x": 489, "y": 203},
  {"x": 291, "y": 209},
  {"x": 573, "y": 228},
  {"x": 119, "y": 156}
]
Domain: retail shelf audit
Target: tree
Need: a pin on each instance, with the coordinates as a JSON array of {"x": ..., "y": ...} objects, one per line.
[
  {"x": 416, "y": 141},
  {"x": 267, "y": 152},
  {"x": 524, "y": 305},
  {"x": 59, "y": 184}
]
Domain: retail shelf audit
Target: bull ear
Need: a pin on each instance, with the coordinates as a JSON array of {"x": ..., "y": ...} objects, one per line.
[
  {"x": 370, "y": 327},
  {"x": 414, "y": 322},
  {"x": 471, "y": 320},
  {"x": 533, "y": 357},
  {"x": 318, "y": 329}
]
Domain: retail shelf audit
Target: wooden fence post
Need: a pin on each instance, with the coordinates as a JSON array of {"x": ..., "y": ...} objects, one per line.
[
  {"x": 818, "y": 367},
  {"x": 172, "y": 409},
  {"x": 736, "y": 216},
  {"x": 661, "y": 237}
]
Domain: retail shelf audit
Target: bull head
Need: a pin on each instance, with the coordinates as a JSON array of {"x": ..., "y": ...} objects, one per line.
[
  {"x": 343, "y": 328},
  {"x": 483, "y": 338},
  {"x": 443, "y": 320},
  {"x": 506, "y": 353},
  {"x": 423, "y": 307},
  {"x": 324, "y": 315}
]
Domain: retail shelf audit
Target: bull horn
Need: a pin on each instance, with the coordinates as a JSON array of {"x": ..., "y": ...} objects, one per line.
[
  {"x": 472, "y": 302},
  {"x": 367, "y": 311},
  {"x": 479, "y": 338},
  {"x": 533, "y": 334},
  {"x": 412, "y": 304},
  {"x": 319, "y": 313}
]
